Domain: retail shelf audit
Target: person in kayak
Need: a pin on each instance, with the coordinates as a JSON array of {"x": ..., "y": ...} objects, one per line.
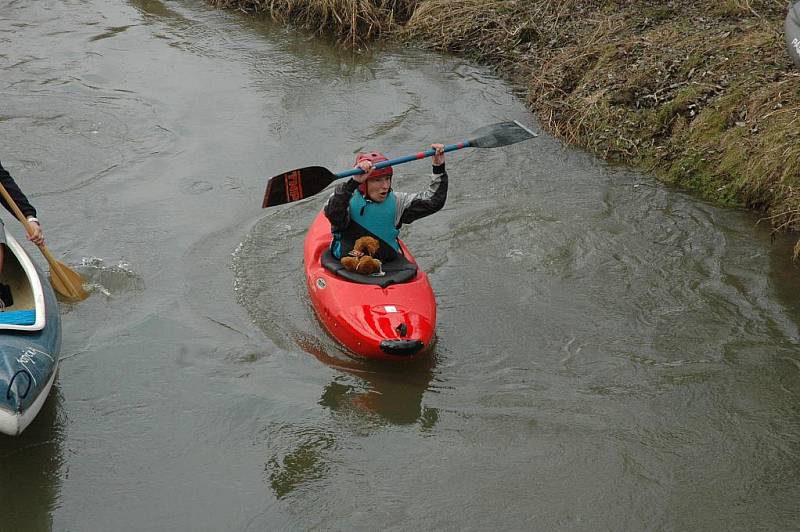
[
  {"x": 366, "y": 205},
  {"x": 37, "y": 236}
]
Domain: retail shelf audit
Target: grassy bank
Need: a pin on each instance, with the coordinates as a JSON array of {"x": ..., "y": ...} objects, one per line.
[{"x": 700, "y": 93}]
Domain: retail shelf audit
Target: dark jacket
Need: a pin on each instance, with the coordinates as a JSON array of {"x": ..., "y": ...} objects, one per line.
[
  {"x": 410, "y": 207},
  {"x": 15, "y": 193}
]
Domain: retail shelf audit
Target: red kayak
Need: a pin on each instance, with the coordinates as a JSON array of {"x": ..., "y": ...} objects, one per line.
[{"x": 390, "y": 317}]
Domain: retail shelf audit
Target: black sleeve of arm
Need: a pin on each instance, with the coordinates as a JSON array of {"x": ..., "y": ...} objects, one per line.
[
  {"x": 429, "y": 201},
  {"x": 337, "y": 209},
  {"x": 15, "y": 193}
]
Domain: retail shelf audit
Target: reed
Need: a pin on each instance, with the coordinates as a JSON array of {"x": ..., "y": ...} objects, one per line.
[{"x": 352, "y": 22}]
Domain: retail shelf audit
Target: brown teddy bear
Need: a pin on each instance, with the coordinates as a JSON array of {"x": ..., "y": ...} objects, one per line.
[{"x": 361, "y": 260}]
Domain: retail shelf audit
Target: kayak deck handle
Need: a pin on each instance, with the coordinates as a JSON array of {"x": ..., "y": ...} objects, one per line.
[{"x": 403, "y": 348}]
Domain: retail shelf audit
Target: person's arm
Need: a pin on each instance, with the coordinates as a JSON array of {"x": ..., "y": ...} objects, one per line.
[
  {"x": 337, "y": 208},
  {"x": 36, "y": 236},
  {"x": 415, "y": 206},
  {"x": 424, "y": 203},
  {"x": 16, "y": 194}
]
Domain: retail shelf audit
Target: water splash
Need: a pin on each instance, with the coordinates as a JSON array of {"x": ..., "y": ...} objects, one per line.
[{"x": 109, "y": 280}]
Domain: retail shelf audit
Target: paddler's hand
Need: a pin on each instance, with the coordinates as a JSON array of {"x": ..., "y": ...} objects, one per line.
[
  {"x": 354, "y": 253},
  {"x": 438, "y": 157},
  {"x": 36, "y": 236},
  {"x": 368, "y": 169}
]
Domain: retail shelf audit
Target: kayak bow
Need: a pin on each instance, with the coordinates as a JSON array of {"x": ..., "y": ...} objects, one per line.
[
  {"x": 30, "y": 340},
  {"x": 392, "y": 317}
]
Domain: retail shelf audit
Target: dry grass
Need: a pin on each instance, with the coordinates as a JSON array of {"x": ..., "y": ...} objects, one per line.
[
  {"x": 748, "y": 7},
  {"x": 700, "y": 92},
  {"x": 353, "y": 22}
]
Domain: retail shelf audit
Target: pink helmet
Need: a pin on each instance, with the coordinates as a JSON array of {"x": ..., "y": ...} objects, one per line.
[{"x": 375, "y": 157}]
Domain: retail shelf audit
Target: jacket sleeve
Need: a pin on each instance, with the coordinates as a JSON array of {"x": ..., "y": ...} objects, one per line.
[
  {"x": 337, "y": 208},
  {"x": 420, "y": 204},
  {"x": 15, "y": 193}
]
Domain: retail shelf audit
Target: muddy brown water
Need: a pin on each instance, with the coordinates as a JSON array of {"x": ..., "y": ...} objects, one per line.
[{"x": 611, "y": 354}]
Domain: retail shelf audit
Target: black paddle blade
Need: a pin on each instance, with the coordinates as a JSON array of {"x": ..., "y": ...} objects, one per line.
[
  {"x": 296, "y": 185},
  {"x": 501, "y": 134}
]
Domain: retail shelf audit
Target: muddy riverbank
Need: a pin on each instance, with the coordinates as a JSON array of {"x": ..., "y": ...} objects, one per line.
[{"x": 702, "y": 94}]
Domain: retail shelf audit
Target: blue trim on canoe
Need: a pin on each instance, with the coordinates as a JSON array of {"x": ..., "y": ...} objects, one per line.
[{"x": 18, "y": 317}]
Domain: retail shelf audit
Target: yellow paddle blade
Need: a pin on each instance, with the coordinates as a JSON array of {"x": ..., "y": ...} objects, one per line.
[{"x": 67, "y": 283}]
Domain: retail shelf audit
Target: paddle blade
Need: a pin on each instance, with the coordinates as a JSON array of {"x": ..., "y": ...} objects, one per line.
[
  {"x": 67, "y": 283},
  {"x": 296, "y": 185},
  {"x": 502, "y": 134}
]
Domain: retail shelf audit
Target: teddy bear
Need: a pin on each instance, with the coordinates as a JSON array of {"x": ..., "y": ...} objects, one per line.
[{"x": 361, "y": 259}]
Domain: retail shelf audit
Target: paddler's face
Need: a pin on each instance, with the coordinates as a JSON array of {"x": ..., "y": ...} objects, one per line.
[{"x": 378, "y": 188}]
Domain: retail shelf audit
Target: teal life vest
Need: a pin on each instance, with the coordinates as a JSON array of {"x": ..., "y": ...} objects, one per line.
[
  {"x": 377, "y": 218},
  {"x": 368, "y": 218}
]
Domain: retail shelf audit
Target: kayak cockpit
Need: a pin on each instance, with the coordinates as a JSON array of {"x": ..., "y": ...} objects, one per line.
[{"x": 398, "y": 271}]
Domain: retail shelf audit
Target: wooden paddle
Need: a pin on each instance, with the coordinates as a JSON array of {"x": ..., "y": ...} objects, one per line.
[
  {"x": 65, "y": 281},
  {"x": 304, "y": 182}
]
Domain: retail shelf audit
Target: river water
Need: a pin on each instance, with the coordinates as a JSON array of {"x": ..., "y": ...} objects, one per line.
[{"x": 612, "y": 354}]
